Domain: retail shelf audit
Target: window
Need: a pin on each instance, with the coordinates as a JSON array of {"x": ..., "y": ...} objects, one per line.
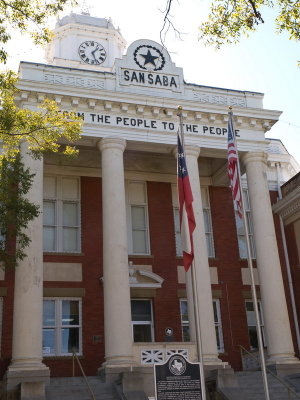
[
  {"x": 61, "y": 326},
  {"x": 184, "y": 321},
  {"x": 251, "y": 321},
  {"x": 217, "y": 319},
  {"x": 207, "y": 221},
  {"x": 142, "y": 320},
  {"x": 218, "y": 325},
  {"x": 138, "y": 242},
  {"x": 241, "y": 231},
  {"x": 61, "y": 214}
]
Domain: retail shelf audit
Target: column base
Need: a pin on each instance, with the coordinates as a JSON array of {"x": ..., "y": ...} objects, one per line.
[
  {"x": 25, "y": 383},
  {"x": 285, "y": 368},
  {"x": 214, "y": 362}
]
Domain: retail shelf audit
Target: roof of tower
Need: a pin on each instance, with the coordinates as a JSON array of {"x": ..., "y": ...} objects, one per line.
[{"x": 84, "y": 19}]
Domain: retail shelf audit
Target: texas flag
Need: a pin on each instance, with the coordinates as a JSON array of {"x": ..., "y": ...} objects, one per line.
[{"x": 186, "y": 213}]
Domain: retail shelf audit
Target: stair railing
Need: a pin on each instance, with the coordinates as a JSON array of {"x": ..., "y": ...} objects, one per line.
[
  {"x": 287, "y": 387},
  {"x": 75, "y": 357}
]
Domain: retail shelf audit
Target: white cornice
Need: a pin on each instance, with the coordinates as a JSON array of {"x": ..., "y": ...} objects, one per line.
[{"x": 289, "y": 206}]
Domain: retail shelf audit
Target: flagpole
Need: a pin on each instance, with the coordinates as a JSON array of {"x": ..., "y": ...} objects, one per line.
[
  {"x": 194, "y": 292},
  {"x": 253, "y": 288}
]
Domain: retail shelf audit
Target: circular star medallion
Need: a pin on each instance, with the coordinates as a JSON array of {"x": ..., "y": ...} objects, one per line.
[{"x": 149, "y": 57}]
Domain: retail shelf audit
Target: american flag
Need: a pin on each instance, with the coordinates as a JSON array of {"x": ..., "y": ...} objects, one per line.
[
  {"x": 186, "y": 213},
  {"x": 232, "y": 168}
]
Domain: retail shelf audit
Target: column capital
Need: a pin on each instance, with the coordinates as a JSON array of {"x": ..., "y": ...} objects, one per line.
[
  {"x": 112, "y": 143},
  {"x": 255, "y": 156},
  {"x": 192, "y": 151},
  {"x": 189, "y": 150}
]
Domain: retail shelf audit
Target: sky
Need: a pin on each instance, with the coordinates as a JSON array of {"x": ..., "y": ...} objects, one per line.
[{"x": 265, "y": 62}]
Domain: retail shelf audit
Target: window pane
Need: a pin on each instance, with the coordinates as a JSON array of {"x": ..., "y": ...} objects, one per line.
[
  {"x": 204, "y": 197},
  {"x": 139, "y": 242},
  {"x": 70, "y": 239},
  {"x": 253, "y": 337},
  {"x": 70, "y": 188},
  {"x": 176, "y": 220},
  {"x": 48, "y": 313},
  {"x": 246, "y": 199},
  {"x": 137, "y": 193},
  {"x": 138, "y": 217},
  {"x": 49, "y": 239},
  {"x": 49, "y": 213},
  {"x": 242, "y": 247},
  {"x": 206, "y": 221},
  {"x": 70, "y": 214},
  {"x": 49, "y": 187},
  {"x": 184, "y": 311},
  {"x": 209, "y": 245},
  {"x": 141, "y": 310},
  {"x": 70, "y": 312},
  {"x": 216, "y": 319},
  {"x": 239, "y": 225},
  {"x": 142, "y": 333},
  {"x": 178, "y": 245},
  {"x": 48, "y": 341},
  {"x": 70, "y": 340},
  {"x": 186, "y": 333},
  {"x": 218, "y": 337}
]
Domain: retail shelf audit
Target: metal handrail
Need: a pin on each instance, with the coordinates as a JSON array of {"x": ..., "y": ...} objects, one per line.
[
  {"x": 289, "y": 389},
  {"x": 75, "y": 357}
]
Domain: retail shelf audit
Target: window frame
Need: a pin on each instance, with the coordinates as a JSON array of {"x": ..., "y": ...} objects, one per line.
[
  {"x": 59, "y": 226},
  {"x": 242, "y": 236},
  {"x": 217, "y": 323},
  {"x": 129, "y": 205},
  {"x": 262, "y": 323},
  {"x": 209, "y": 235},
  {"x": 147, "y": 323},
  {"x": 58, "y": 326}
]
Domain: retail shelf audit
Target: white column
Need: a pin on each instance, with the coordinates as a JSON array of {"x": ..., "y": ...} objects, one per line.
[
  {"x": 203, "y": 283},
  {"x": 28, "y": 293},
  {"x": 276, "y": 319},
  {"x": 117, "y": 311}
]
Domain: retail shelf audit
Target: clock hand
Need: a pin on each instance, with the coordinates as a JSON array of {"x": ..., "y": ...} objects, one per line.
[{"x": 93, "y": 53}]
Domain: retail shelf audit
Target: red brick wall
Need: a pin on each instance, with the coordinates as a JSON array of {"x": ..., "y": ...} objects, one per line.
[
  {"x": 232, "y": 303},
  {"x": 164, "y": 262},
  {"x": 92, "y": 268}
]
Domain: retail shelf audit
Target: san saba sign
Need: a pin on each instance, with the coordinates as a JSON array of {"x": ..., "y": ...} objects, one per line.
[{"x": 147, "y": 64}]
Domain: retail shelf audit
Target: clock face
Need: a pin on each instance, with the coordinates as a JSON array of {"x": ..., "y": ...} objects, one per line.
[{"x": 92, "y": 52}]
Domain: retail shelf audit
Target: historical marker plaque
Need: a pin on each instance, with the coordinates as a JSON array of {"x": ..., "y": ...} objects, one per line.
[{"x": 177, "y": 379}]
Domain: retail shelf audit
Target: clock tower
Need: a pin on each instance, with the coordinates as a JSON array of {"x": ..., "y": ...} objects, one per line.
[{"x": 85, "y": 42}]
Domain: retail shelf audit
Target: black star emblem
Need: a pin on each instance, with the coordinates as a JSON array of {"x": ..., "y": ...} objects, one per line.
[{"x": 149, "y": 58}]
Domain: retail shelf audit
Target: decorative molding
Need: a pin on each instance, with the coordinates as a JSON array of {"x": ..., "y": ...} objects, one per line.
[{"x": 158, "y": 356}]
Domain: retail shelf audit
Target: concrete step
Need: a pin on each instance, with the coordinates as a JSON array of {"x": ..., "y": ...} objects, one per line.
[
  {"x": 250, "y": 387},
  {"x": 76, "y": 389}
]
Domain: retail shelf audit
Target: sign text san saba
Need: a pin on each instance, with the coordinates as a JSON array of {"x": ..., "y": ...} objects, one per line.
[
  {"x": 149, "y": 79},
  {"x": 151, "y": 124}
]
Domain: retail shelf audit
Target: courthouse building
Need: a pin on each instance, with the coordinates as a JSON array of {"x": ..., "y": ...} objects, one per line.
[{"x": 105, "y": 262}]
